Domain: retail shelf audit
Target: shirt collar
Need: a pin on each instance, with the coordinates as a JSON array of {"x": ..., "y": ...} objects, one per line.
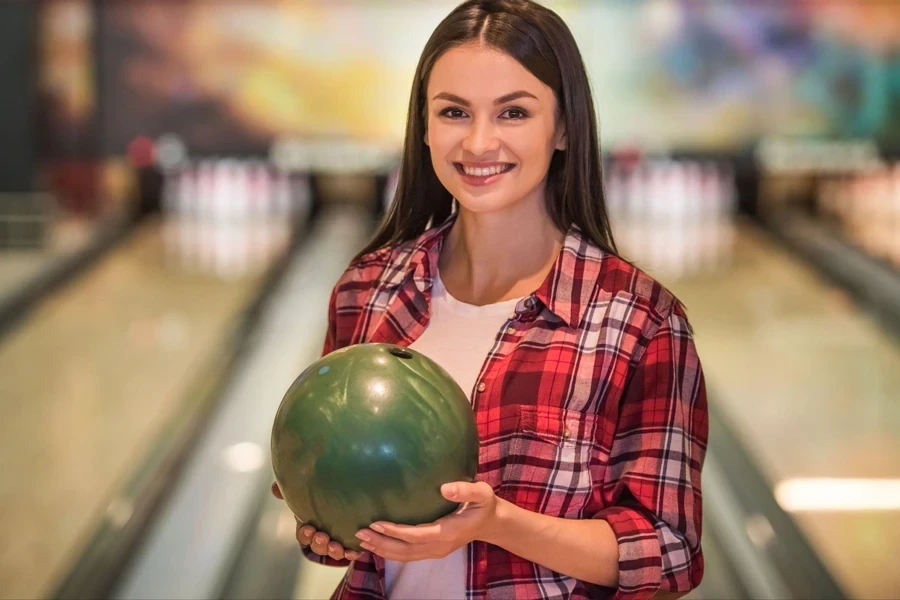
[{"x": 566, "y": 290}]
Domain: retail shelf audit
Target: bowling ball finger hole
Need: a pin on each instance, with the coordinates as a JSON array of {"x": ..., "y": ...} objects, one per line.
[{"x": 401, "y": 353}]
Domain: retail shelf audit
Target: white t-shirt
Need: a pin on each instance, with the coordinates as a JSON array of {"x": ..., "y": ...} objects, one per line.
[{"x": 458, "y": 337}]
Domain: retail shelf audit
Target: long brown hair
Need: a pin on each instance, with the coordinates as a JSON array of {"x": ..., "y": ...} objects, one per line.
[{"x": 539, "y": 40}]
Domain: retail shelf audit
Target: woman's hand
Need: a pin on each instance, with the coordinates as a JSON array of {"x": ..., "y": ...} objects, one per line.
[
  {"x": 474, "y": 520},
  {"x": 318, "y": 541}
]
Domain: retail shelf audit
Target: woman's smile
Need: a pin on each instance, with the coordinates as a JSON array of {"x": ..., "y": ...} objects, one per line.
[{"x": 482, "y": 175}]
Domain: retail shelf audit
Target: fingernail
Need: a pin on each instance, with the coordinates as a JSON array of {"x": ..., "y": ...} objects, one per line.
[
  {"x": 377, "y": 527},
  {"x": 451, "y": 490},
  {"x": 364, "y": 536},
  {"x": 351, "y": 555},
  {"x": 320, "y": 539},
  {"x": 368, "y": 547}
]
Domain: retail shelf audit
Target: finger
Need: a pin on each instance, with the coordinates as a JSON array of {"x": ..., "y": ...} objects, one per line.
[
  {"x": 319, "y": 543},
  {"x": 402, "y": 552},
  {"x": 335, "y": 551},
  {"x": 462, "y": 491},
  {"x": 413, "y": 534},
  {"x": 351, "y": 554},
  {"x": 384, "y": 545},
  {"x": 305, "y": 534},
  {"x": 276, "y": 491}
]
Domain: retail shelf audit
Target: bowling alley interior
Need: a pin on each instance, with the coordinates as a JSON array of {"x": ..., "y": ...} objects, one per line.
[{"x": 183, "y": 183}]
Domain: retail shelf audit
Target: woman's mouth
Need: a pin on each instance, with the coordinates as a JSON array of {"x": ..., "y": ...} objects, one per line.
[{"x": 483, "y": 175}]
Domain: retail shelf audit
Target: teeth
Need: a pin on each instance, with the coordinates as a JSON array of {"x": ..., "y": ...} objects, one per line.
[{"x": 479, "y": 172}]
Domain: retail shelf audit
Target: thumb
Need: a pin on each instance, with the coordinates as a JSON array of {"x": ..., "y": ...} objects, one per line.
[{"x": 463, "y": 491}]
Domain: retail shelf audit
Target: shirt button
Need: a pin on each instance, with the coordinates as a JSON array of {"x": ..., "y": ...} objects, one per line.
[
  {"x": 481, "y": 387},
  {"x": 510, "y": 330}
]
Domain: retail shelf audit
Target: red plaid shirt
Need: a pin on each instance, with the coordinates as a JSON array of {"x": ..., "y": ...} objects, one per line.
[{"x": 591, "y": 404}]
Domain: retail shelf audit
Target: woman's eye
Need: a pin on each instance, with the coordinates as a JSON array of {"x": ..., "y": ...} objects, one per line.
[
  {"x": 516, "y": 114},
  {"x": 453, "y": 113}
]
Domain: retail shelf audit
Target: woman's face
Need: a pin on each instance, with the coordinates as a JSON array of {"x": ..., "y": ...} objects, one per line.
[{"x": 491, "y": 128}]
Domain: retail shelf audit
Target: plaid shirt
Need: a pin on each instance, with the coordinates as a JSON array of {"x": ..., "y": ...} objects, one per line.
[{"x": 591, "y": 404}]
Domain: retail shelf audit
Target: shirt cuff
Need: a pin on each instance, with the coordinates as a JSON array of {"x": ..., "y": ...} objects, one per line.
[{"x": 640, "y": 557}]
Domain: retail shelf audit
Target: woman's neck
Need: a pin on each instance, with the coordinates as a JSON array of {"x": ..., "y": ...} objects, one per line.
[{"x": 492, "y": 257}]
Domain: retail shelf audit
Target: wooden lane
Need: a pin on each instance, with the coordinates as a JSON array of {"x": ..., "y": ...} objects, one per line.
[
  {"x": 88, "y": 381},
  {"x": 810, "y": 384}
]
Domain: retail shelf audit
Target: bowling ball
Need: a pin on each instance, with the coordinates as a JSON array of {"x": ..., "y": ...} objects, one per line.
[{"x": 370, "y": 433}]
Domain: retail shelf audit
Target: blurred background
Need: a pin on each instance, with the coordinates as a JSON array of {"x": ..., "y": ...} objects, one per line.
[{"x": 182, "y": 183}]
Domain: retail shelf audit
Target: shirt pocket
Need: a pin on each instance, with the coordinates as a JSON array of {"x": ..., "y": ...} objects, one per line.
[{"x": 548, "y": 465}]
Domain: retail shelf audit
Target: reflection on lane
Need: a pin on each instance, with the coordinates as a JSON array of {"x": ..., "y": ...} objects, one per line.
[{"x": 834, "y": 494}]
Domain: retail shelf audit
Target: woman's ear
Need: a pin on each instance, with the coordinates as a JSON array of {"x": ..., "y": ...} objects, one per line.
[{"x": 561, "y": 139}]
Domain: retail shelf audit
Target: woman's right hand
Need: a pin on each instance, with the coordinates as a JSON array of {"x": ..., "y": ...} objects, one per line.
[{"x": 318, "y": 541}]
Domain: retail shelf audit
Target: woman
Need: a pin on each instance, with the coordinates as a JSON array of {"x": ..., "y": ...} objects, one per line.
[{"x": 497, "y": 261}]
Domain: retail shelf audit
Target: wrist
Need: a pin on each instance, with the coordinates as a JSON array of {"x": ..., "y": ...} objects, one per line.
[{"x": 497, "y": 523}]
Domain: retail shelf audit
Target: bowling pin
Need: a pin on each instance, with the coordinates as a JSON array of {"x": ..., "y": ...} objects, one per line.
[
  {"x": 205, "y": 186},
  {"x": 691, "y": 224},
  {"x": 170, "y": 192},
  {"x": 226, "y": 189},
  {"x": 282, "y": 195},
  {"x": 241, "y": 196},
  {"x": 709, "y": 235},
  {"x": 187, "y": 192},
  {"x": 259, "y": 191}
]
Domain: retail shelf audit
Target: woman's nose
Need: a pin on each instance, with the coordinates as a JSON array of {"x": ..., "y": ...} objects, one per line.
[{"x": 481, "y": 138}]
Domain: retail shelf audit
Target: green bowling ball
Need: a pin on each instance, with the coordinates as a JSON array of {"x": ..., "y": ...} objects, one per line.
[{"x": 370, "y": 433}]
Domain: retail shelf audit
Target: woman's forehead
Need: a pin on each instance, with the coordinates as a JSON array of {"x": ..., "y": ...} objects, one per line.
[{"x": 482, "y": 74}]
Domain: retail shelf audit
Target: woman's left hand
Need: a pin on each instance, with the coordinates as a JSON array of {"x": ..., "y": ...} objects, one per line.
[{"x": 473, "y": 520}]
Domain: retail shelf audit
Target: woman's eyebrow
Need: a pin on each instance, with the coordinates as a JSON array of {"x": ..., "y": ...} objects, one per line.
[{"x": 501, "y": 100}]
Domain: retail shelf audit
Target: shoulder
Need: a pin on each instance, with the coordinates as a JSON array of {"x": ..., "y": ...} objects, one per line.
[
  {"x": 377, "y": 268},
  {"x": 639, "y": 304},
  {"x": 598, "y": 276},
  {"x": 618, "y": 277}
]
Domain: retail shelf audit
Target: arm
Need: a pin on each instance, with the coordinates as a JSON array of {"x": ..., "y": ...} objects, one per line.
[
  {"x": 652, "y": 483},
  {"x": 648, "y": 540},
  {"x": 584, "y": 549}
]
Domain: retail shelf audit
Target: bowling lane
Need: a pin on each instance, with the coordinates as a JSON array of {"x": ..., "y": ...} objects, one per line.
[
  {"x": 810, "y": 384},
  {"x": 88, "y": 382},
  {"x": 66, "y": 238},
  {"x": 190, "y": 549}
]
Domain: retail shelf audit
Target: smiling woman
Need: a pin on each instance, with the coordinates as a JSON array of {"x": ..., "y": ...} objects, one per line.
[
  {"x": 500, "y": 84},
  {"x": 497, "y": 261},
  {"x": 485, "y": 137}
]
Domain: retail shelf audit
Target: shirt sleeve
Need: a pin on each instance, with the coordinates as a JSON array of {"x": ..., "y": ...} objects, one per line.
[
  {"x": 331, "y": 333},
  {"x": 652, "y": 482}
]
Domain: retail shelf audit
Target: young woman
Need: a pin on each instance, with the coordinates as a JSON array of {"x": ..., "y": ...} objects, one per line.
[{"x": 497, "y": 261}]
